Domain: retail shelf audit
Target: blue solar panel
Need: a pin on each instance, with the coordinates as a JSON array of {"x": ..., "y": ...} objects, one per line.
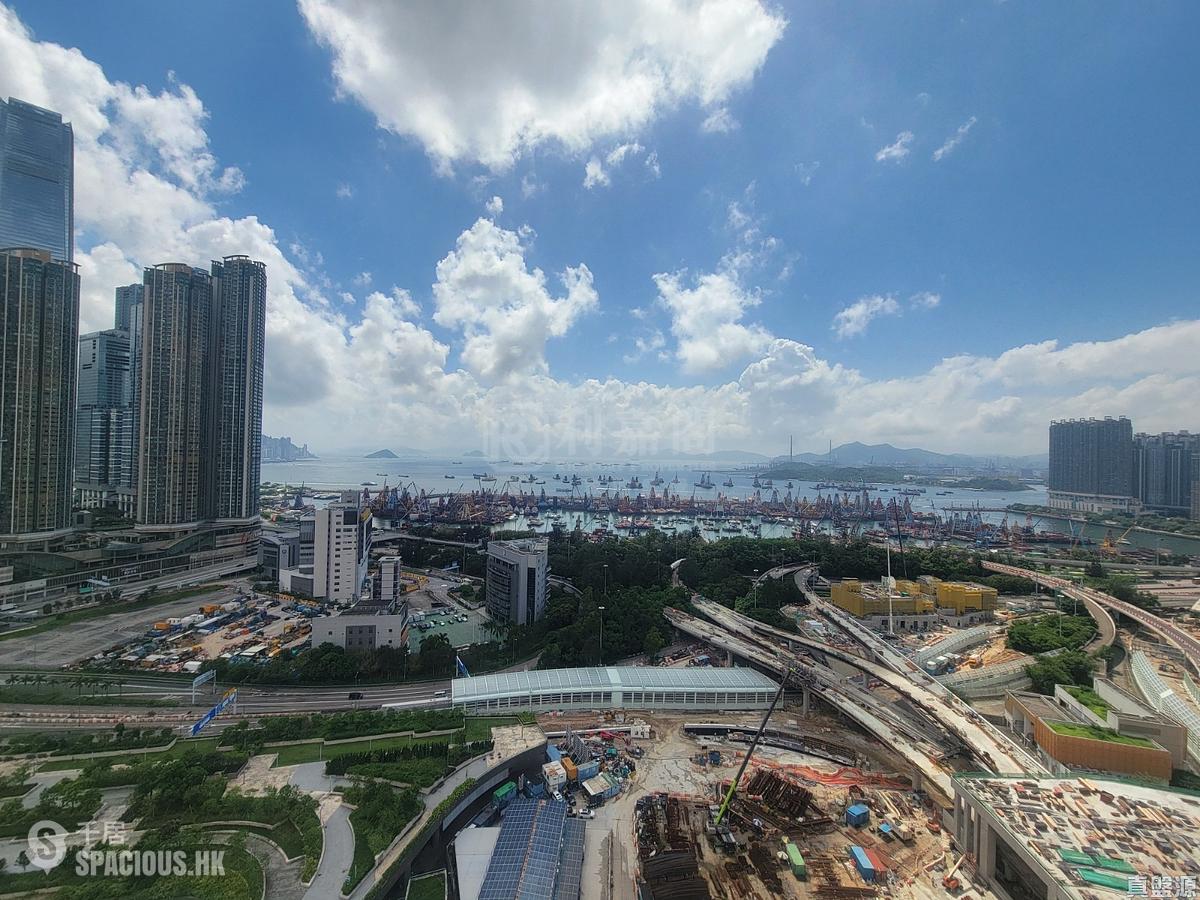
[
  {"x": 570, "y": 862},
  {"x": 525, "y": 862}
]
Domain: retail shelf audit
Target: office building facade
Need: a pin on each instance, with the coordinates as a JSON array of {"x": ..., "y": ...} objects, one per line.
[
  {"x": 200, "y": 403},
  {"x": 39, "y": 334},
  {"x": 341, "y": 550},
  {"x": 104, "y": 423},
  {"x": 37, "y": 185},
  {"x": 361, "y": 629},
  {"x": 517, "y": 573},
  {"x": 1091, "y": 466}
]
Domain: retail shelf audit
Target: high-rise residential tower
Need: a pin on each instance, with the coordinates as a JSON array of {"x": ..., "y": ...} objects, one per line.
[
  {"x": 37, "y": 152},
  {"x": 240, "y": 286},
  {"x": 104, "y": 423},
  {"x": 1091, "y": 465},
  {"x": 201, "y": 384},
  {"x": 127, "y": 297},
  {"x": 1162, "y": 471},
  {"x": 175, "y": 420},
  {"x": 39, "y": 340}
]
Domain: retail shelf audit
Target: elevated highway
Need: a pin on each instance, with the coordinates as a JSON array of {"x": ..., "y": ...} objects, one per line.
[
  {"x": 872, "y": 715},
  {"x": 985, "y": 742},
  {"x": 1099, "y": 605}
]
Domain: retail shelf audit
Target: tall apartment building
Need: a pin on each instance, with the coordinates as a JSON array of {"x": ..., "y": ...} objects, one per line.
[
  {"x": 37, "y": 183},
  {"x": 176, "y": 420},
  {"x": 126, "y": 298},
  {"x": 104, "y": 423},
  {"x": 241, "y": 302},
  {"x": 1196, "y": 486},
  {"x": 517, "y": 573},
  {"x": 341, "y": 550},
  {"x": 39, "y": 341},
  {"x": 1091, "y": 465},
  {"x": 1162, "y": 471},
  {"x": 200, "y": 404}
]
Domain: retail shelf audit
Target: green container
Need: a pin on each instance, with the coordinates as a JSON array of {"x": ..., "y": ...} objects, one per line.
[{"x": 799, "y": 869}]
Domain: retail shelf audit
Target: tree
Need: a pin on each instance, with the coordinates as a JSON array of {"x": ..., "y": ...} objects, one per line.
[
  {"x": 654, "y": 642},
  {"x": 23, "y": 860}
]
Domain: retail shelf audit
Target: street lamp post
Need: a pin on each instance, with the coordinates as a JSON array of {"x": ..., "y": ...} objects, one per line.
[
  {"x": 606, "y": 581},
  {"x": 601, "y": 608},
  {"x": 756, "y": 588}
]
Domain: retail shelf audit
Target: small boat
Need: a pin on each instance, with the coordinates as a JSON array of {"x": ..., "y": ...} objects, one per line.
[
  {"x": 368, "y": 484},
  {"x": 728, "y": 482},
  {"x": 449, "y": 476}
]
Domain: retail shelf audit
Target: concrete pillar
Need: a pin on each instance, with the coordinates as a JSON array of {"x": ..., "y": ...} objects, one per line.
[
  {"x": 986, "y": 856},
  {"x": 806, "y": 694},
  {"x": 729, "y": 657}
]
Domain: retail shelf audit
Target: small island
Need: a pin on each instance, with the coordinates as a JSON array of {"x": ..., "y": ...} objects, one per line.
[{"x": 382, "y": 454}]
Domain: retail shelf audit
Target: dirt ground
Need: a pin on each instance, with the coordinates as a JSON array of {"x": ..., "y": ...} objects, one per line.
[{"x": 668, "y": 766}]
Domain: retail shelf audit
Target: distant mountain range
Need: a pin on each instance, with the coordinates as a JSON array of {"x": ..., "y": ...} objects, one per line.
[{"x": 859, "y": 454}]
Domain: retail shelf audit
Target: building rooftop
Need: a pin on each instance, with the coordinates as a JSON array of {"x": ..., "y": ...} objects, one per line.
[
  {"x": 1079, "y": 828},
  {"x": 1094, "y": 733},
  {"x": 610, "y": 678},
  {"x": 535, "y": 856}
]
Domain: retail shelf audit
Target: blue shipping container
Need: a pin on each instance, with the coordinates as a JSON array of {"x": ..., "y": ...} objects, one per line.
[
  {"x": 553, "y": 753},
  {"x": 534, "y": 788},
  {"x": 589, "y": 769},
  {"x": 857, "y": 815},
  {"x": 863, "y": 864}
]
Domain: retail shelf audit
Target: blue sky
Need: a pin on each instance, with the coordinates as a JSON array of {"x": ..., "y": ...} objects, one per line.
[{"x": 749, "y": 260}]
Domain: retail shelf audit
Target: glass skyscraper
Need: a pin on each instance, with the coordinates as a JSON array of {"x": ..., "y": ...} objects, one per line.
[
  {"x": 104, "y": 422},
  {"x": 127, "y": 297},
  {"x": 37, "y": 153}
]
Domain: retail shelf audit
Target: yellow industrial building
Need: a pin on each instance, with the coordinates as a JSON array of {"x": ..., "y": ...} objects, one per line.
[{"x": 927, "y": 595}]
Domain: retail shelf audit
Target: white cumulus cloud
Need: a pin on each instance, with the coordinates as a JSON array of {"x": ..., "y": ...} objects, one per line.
[
  {"x": 706, "y": 319},
  {"x": 504, "y": 309},
  {"x": 854, "y": 319},
  {"x": 486, "y": 85}
]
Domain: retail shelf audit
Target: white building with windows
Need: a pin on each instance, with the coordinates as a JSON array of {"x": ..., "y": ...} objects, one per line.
[
  {"x": 616, "y": 687},
  {"x": 341, "y": 550},
  {"x": 516, "y": 580}
]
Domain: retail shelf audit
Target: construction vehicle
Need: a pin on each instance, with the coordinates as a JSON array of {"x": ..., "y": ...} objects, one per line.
[
  {"x": 950, "y": 880},
  {"x": 1111, "y": 547}
]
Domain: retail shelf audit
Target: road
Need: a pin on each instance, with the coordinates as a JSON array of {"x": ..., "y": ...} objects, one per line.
[{"x": 1188, "y": 645}]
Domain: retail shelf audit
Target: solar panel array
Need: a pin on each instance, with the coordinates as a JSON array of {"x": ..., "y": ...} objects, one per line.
[
  {"x": 524, "y": 864},
  {"x": 570, "y": 864}
]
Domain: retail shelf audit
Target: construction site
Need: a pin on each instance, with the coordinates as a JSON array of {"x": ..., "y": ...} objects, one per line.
[{"x": 819, "y": 810}]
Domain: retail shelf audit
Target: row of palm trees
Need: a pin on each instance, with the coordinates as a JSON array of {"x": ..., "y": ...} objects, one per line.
[{"x": 79, "y": 682}]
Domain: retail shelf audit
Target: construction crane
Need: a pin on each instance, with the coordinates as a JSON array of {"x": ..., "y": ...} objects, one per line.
[
  {"x": 1108, "y": 545},
  {"x": 750, "y": 752}
]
